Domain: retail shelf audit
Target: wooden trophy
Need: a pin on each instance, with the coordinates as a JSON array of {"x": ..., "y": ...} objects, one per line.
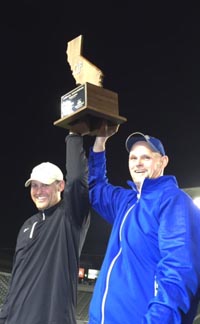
[{"x": 89, "y": 103}]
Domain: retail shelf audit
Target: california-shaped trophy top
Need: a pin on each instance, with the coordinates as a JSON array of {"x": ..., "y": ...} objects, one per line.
[{"x": 82, "y": 70}]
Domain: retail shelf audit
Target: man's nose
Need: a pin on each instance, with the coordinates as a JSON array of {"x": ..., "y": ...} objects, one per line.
[{"x": 139, "y": 161}]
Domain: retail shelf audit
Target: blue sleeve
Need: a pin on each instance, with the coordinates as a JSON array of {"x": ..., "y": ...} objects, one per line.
[
  {"x": 105, "y": 198},
  {"x": 178, "y": 272}
]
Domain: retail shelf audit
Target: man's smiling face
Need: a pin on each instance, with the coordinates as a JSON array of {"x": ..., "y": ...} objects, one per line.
[
  {"x": 144, "y": 163},
  {"x": 45, "y": 196}
]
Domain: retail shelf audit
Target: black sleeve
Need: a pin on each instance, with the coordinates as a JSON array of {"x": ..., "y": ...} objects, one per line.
[{"x": 76, "y": 189}]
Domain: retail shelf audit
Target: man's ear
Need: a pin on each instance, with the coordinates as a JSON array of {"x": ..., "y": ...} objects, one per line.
[
  {"x": 61, "y": 185},
  {"x": 165, "y": 161}
]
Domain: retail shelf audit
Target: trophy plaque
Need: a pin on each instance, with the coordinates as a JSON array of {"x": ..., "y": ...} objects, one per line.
[{"x": 89, "y": 103}]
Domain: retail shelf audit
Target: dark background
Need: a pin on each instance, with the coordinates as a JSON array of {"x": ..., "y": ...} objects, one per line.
[{"x": 149, "y": 53}]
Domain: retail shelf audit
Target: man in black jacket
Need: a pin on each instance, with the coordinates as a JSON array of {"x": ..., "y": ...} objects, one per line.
[{"x": 43, "y": 285}]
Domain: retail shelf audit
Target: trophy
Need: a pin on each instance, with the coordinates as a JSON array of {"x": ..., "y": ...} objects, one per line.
[{"x": 89, "y": 103}]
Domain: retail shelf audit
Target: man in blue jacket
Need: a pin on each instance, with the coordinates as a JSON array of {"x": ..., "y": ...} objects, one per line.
[
  {"x": 151, "y": 269},
  {"x": 43, "y": 286}
]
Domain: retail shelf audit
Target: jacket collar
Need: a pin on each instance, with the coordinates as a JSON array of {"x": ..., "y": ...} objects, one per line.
[
  {"x": 149, "y": 184},
  {"x": 50, "y": 211}
]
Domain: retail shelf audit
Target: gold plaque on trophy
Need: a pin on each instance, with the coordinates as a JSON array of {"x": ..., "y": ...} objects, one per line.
[{"x": 89, "y": 102}]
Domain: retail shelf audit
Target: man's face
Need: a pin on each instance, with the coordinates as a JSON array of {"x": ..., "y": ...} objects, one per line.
[
  {"x": 45, "y": 196},
  {"x": 144, "y": 163}
]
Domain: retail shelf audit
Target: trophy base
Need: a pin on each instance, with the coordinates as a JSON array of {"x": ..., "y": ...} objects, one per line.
[
  {"x": 87, "y": 106},
  {"x": 88, "y": 121}
]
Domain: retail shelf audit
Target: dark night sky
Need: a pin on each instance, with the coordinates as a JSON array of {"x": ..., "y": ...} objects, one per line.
[{"x": 150, "y": 56}]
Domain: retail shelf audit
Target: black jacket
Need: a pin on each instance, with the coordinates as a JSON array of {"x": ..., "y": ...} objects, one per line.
[{"x": 43, "y": 286}]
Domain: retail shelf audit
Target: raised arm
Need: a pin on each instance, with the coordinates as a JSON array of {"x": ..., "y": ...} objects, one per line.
[
  {"x": 105, "y": 131},
  {"x": 76, "y": 189}
]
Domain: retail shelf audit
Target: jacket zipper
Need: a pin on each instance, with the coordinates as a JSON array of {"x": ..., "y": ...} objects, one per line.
[{"x": 111, "y": 267}]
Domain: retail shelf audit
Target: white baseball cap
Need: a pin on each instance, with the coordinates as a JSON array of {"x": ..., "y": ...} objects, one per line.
[{"x": 46, "y": 173}]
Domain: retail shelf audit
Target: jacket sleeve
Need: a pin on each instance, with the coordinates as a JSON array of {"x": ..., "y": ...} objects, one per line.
[
  {"x": 76, "y": 189},
  {"x": 105, "y": 198},
  {"x": 177, "y": 276}
]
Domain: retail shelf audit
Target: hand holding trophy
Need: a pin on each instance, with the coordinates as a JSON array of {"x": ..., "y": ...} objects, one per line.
[{"x": 84, "y": 108}]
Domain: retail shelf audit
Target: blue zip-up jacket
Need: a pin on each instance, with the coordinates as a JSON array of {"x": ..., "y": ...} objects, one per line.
[{"x": 151, "y": 270}]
